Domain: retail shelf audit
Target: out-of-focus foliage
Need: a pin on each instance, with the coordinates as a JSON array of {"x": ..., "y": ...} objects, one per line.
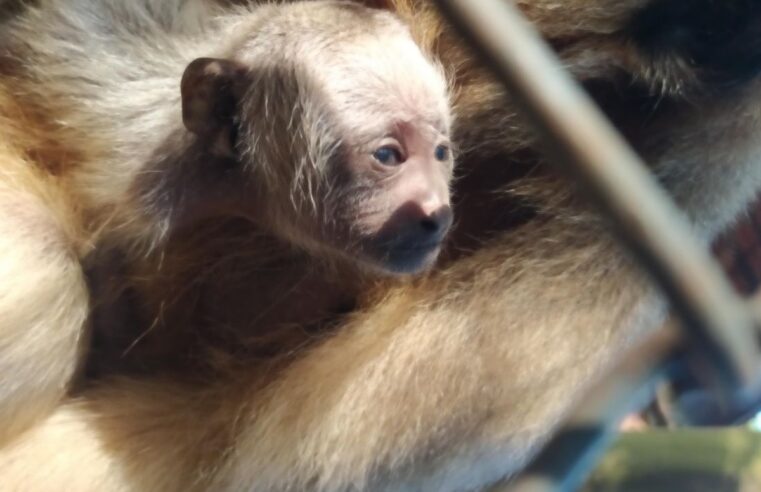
[{"x": 727, "y": 460}]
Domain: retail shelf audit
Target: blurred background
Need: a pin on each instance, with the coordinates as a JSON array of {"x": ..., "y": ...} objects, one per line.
[{"x": 686, "y": 441}]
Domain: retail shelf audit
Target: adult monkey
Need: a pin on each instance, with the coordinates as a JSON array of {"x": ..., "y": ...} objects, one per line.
[{"x": 450, "y": 383}]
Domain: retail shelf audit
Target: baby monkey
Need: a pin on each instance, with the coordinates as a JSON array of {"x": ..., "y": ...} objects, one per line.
[{"x": 323, "y": 123}]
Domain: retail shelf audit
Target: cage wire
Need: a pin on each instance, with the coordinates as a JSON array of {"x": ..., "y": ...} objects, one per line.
[{"x": 713, "y": 335}]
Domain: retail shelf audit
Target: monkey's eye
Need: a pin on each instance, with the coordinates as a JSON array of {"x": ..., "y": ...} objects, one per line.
[
  {"x": 441, "y": 153},
  {"x": 388, "y": 156}
]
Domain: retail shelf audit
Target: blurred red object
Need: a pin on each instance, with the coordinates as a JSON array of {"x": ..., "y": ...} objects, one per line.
[{"x": 739, "y": 250}]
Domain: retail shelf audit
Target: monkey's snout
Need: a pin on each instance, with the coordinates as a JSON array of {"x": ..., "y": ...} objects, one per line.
[
  {"x": 719, "y": 39},
  {"x": 411, "y": 240},
  {"x": 435, "y": 227}
]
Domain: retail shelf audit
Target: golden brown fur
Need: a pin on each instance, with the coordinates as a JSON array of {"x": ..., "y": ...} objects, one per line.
[{"x": 450, "y": 382}]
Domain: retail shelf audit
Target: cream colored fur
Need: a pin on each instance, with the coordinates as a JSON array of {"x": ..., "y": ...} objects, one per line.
[
  {"x": 43, "y": 297},
  {"x": 446, "y": 384}
]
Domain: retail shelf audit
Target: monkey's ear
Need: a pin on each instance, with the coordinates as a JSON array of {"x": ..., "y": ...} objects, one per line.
[{"x": 211, "y": 90}]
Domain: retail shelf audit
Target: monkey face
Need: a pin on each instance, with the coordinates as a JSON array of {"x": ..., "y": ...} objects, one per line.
[
  {"x": 341, "y": 136},
  {"x": 388, "y": 204},
  {"x": 397, "y": 213}
]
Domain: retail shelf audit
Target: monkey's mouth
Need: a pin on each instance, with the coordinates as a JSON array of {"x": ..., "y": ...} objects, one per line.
[{"x": 404, "y": 257}]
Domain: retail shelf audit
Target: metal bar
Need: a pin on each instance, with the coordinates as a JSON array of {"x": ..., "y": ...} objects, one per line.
[
  {"x": 720, "y": 325},
  {"x": 755, "y": 304}
]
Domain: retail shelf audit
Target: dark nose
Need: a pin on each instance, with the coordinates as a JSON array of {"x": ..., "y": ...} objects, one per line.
[
  {"x": 435, "y": 226},
  {"x": 721, "y": 39},
  {"x": 411, "y": 239}
]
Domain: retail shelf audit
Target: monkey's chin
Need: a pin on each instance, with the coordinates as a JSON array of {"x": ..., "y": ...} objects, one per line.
[{"x": 406, "y": 261}]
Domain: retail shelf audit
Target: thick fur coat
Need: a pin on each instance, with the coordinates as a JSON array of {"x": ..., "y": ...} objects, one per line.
[{"x": 446, "y": 383}]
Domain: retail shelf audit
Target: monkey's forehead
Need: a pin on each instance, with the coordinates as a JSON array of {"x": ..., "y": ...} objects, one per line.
[
  {"x": 292, "y": 29},
  {"x": 388, "y": 78},
  {"x": 368, "y": 71}
]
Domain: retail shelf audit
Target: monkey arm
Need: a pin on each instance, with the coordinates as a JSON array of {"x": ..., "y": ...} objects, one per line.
[
  {"x": 458, "y": 378},
  {"x": 43, "y": 297}
]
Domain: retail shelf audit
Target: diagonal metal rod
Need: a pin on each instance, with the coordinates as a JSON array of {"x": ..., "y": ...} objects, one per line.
[
  {"x": 579, "y": 137},
  {"x": 720, "y": 326}
]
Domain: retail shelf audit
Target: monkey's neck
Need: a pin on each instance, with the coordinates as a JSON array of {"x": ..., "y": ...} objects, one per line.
[
  {"x": 181, "y": 183},
  {"x": 268, "y": 300}
]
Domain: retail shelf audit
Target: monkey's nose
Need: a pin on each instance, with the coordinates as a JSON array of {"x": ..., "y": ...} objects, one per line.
[
  {"x": 436, "y": 225},
  {"x": 720, "y": 39}
]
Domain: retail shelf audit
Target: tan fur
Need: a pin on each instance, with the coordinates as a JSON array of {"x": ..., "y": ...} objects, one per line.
[
  {"x": 447, "y": 383},
  {"x": 43, "y": 297}
]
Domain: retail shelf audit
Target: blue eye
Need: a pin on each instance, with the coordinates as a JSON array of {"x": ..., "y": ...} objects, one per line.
[
  {"x": 441, "y": 153},
  {"x": 388, "y": 156}
]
